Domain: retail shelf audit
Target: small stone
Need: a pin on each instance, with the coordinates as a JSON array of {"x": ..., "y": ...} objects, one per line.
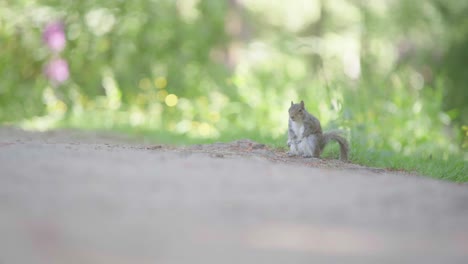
[
  {"x": 154, "y": 147},
  {"x": 258, "y": 146},
  {"x": 197, "y": 146}
]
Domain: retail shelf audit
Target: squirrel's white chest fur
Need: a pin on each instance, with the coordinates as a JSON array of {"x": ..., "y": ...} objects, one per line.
[
  {"x": 305, "y": 146},
  {"x": 298, "y": 128}
]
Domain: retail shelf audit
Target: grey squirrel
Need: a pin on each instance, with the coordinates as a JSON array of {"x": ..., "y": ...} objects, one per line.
[{"x": 305, "y": 136}]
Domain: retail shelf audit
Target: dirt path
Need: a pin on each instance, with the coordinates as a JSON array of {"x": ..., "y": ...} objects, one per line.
[{"x": 75, "y": 197}]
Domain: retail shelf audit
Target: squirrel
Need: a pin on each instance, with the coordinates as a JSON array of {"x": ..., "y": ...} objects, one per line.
[{"x": 305, "y": 136}]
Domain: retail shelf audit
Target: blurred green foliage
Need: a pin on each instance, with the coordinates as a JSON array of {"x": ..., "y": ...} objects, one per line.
[{"x": 391, "y": 73}]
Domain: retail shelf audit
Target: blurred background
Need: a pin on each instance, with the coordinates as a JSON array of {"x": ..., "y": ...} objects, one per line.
[{"x": 392, "y": 73}]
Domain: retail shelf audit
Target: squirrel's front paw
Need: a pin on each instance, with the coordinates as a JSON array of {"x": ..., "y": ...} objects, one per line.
[{"x": 291, "y": 154}]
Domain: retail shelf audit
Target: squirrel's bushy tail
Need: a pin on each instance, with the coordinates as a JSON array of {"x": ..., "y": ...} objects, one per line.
[{"x": 336, "y": 136}]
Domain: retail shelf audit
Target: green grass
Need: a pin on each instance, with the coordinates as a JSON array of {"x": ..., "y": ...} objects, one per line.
[
  {"x": 449, "y": 168},
  {"x": 452, "y": 168}
]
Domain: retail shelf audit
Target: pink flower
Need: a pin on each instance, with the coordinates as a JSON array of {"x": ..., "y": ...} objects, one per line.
[
  {"x": 57, "y": 71},
  {"x": 54, "y": 36}
]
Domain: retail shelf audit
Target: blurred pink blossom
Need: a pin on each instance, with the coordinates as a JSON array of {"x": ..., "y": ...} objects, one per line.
[
  {"x": 54, "y": 36},
  {"x": 57, "y": 71}
]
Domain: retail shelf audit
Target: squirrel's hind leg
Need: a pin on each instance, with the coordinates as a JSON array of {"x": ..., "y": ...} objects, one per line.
[
  {"x": 310, "y": 147},
  {"x": 293, "y": 150}
]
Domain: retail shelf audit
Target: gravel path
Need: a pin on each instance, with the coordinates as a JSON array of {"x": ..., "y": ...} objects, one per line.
[{"x": 76, "y": 197}]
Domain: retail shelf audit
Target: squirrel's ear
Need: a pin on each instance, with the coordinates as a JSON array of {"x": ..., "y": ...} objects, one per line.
[
  {"x": 302, "y": 104},
  {"x": 292, "y": 103}
]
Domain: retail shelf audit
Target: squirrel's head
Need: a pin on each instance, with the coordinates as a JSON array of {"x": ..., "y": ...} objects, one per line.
[{"x": 297, "y": 111}]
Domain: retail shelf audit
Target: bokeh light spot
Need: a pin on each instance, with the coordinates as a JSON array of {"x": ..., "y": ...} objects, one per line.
[
  {"x": 161, "y": 95},
  {"x": 145, "y": 84},
  {"x": 160, "y": 82},
  {"x": 171, "y": 100},
  {"x": 204, "y": 129},
  {"x": 214, "y": 117}
]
